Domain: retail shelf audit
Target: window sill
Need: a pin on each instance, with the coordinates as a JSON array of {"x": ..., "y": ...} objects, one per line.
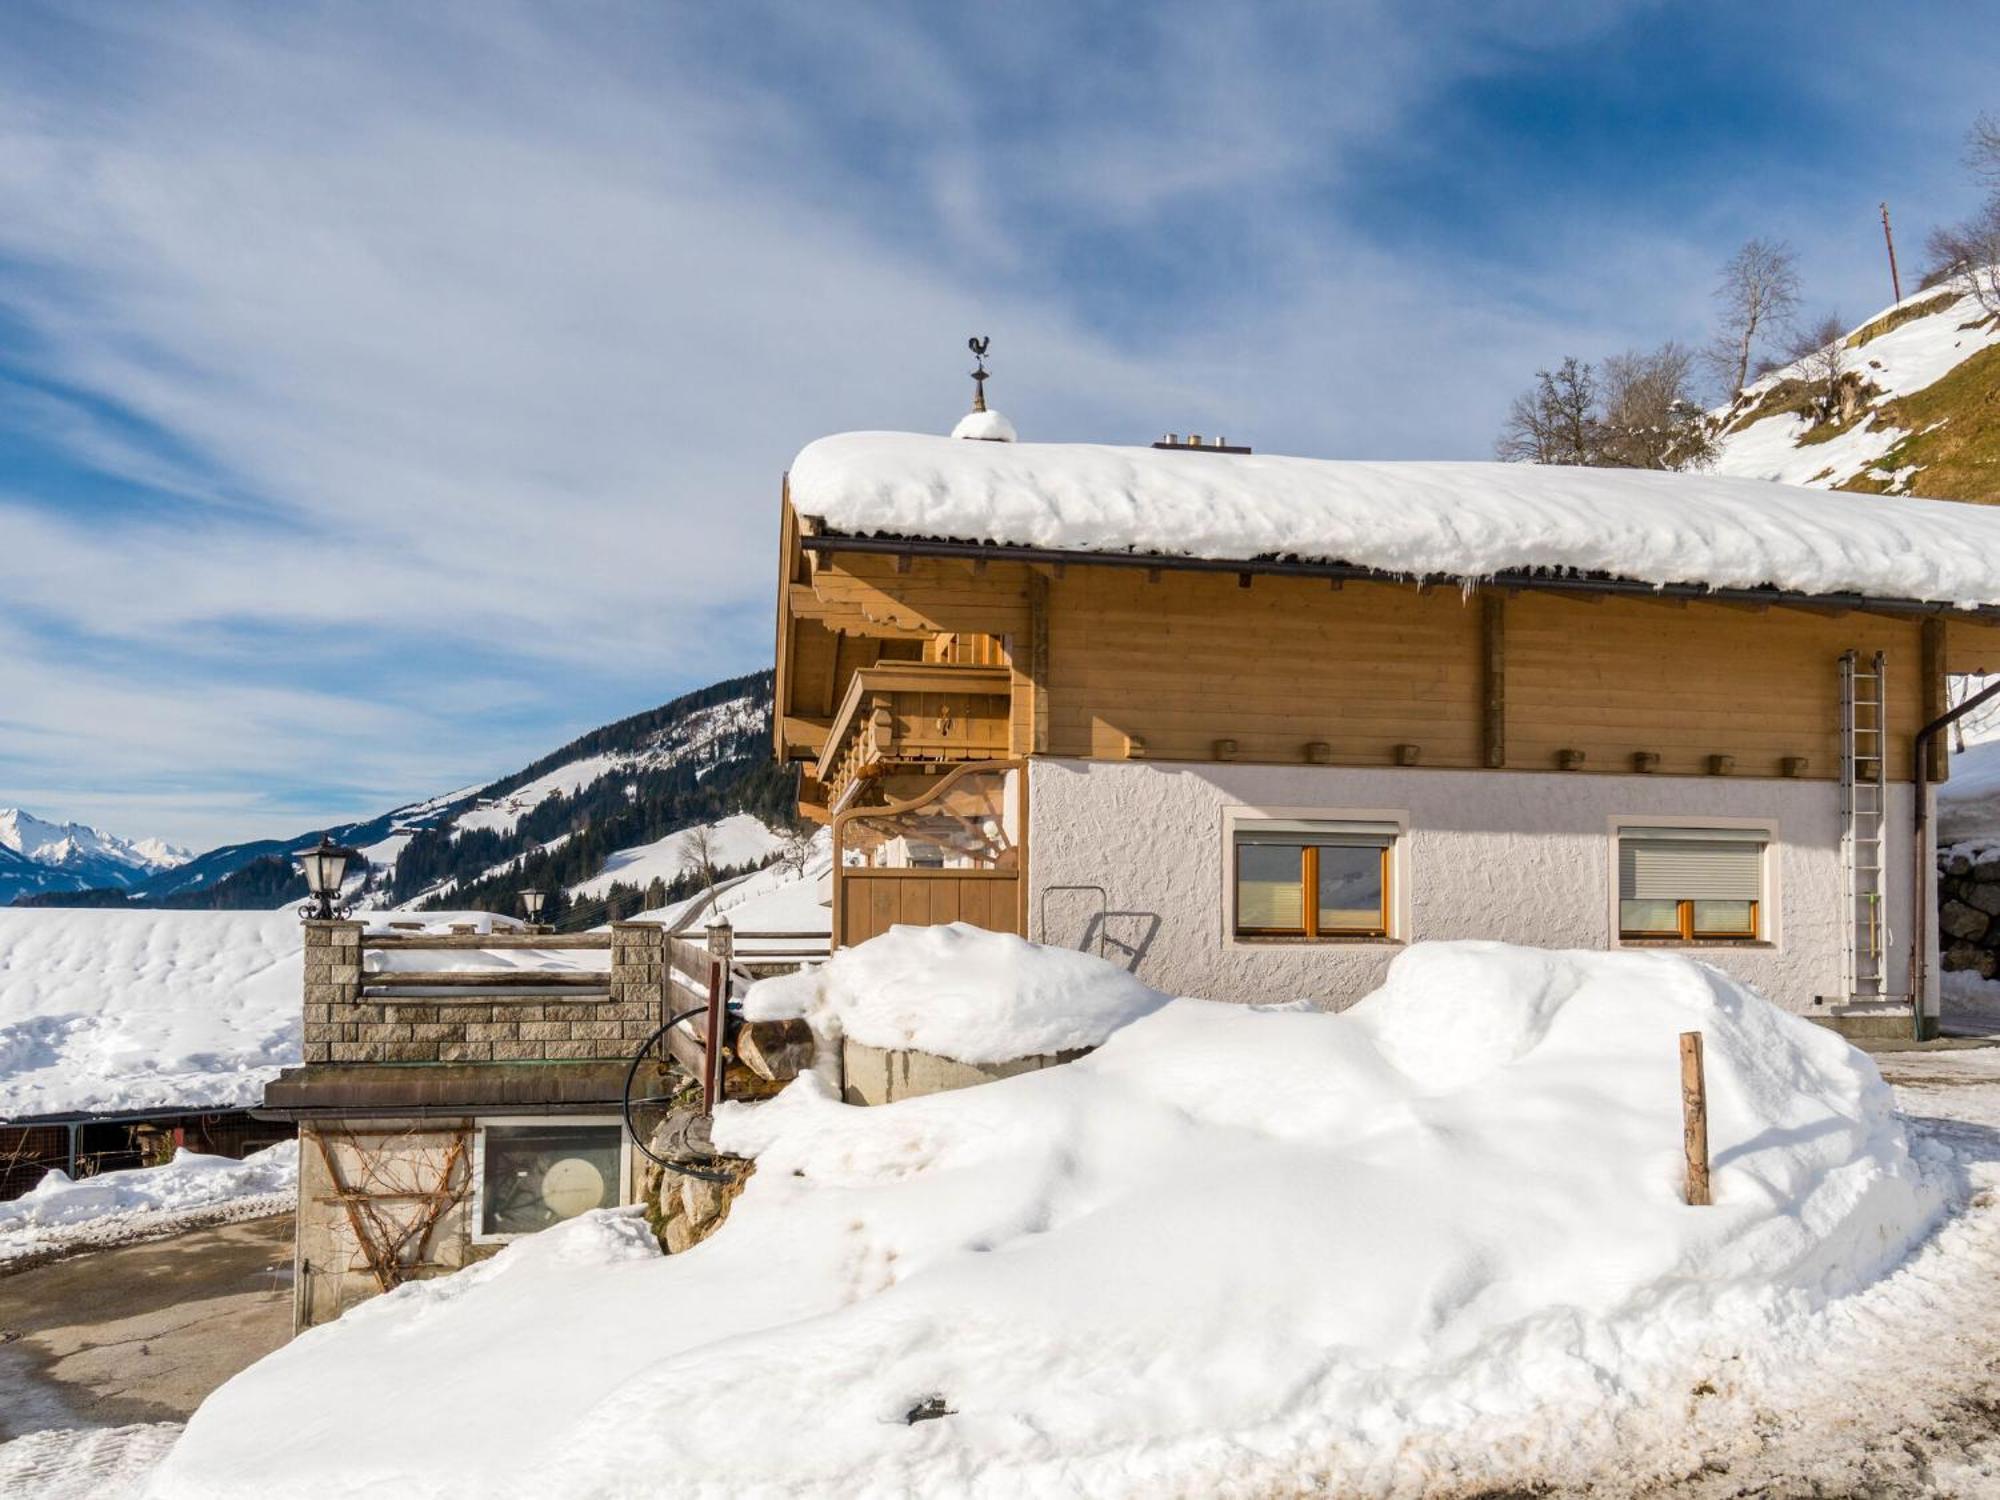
[
  {"x": 1725, "y": 944},
  {"x": 1278, "y": 941}
]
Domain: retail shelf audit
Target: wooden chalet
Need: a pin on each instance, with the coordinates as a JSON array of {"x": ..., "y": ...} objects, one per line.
[{"x": 1251, "y": 725}]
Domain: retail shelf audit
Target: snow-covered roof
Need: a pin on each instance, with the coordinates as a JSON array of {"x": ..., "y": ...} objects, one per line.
[{"x": 1433, "y": 519}]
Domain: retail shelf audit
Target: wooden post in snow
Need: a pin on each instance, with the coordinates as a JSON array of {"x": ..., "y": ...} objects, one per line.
[
  {"x": 721, "y": 946},
  {"x": 1694, "y": 1118}
]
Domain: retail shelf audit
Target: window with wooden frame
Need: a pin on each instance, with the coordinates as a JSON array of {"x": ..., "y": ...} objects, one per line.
[
  {"x": 1691, "y": 885},
  {"x": 1311, "y": 879}
]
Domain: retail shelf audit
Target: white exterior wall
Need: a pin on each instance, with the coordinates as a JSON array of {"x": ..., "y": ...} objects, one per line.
[{"x": 1522, "y": 856}]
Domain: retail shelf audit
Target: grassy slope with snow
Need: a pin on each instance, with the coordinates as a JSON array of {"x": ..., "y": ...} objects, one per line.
[{"x": 1930, "y": 423}]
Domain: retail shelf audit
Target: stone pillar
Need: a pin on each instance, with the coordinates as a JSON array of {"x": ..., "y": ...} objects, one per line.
[
  {"x": 639, "y": 977},
  {"x": 332, "y": 986}
]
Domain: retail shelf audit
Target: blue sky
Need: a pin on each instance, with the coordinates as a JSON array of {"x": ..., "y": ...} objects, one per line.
[{"x": 388, "y": 393}]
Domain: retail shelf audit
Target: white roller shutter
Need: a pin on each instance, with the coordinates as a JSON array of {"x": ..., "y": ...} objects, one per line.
[{"x": 1691, "y": 865}]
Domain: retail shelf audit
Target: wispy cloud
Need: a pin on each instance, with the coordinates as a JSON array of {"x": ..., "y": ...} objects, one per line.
[{"x": 452, "y": 354}]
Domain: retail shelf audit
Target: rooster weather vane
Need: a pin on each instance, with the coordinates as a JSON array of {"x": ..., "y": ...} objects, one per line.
[{"x": 979, "y": 346}]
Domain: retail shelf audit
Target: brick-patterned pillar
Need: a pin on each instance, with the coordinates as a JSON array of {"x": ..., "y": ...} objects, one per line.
[
  {"x": 638, "y": 979},
  {"x": 332, "y": 986}
]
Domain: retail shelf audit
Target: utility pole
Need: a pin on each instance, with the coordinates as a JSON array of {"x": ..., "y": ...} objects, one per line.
[{"x": 1889, "y": 239}]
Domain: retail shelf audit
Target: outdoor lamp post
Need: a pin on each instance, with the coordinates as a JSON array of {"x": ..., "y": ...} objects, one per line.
[
  {"x": 324, "y": 865},
  {"x": 531, "y": 903}
]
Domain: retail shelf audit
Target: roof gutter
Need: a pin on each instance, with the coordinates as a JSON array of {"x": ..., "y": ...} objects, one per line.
[{"x": 830, "y": 543}]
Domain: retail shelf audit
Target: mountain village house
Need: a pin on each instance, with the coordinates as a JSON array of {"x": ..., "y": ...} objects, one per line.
[
  {"x": 1248, "y": 726},
  {"x": 1251, "y": 725}
]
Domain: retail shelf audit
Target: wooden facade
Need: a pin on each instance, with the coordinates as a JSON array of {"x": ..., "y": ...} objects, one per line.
[{"x": 1164, "y": 663}]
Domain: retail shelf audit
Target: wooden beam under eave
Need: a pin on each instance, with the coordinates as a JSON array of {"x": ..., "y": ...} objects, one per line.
[
  {"x": 1493, "y": 677},
  {"x": 1038, "y": 664}
]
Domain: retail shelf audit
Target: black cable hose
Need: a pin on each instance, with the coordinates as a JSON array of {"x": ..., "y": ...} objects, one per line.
[{"x": 631, "y": 1076}]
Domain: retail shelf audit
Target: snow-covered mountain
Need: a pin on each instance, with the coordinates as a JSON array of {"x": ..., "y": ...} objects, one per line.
[
  {"x": 1908, "y": 405},
  {"x": 49, "y": 856},
  {"x": 597, "y": 821}
]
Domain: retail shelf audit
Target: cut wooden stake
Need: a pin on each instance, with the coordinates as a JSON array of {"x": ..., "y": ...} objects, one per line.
[{"x": 1694, "y": 1118}]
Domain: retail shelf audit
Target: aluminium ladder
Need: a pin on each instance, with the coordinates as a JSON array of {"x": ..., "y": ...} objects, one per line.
[{"x": 1864, "y": 814}]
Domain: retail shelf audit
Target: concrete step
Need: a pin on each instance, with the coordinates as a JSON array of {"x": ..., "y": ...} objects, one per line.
[{"x": 1867, "y": 1022}]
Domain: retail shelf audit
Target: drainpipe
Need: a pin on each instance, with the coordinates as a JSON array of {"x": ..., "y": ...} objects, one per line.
[{"x": 1922, "y": 888}]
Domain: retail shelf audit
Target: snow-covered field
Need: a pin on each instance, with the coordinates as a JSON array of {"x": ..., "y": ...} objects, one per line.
[
  {"x": 112, "y": 1010},
  {"x": 128, "y": 1010},
  {"x": 1432, "y": 1243},
  {"x": 59, "y": 1215},
  {"x": 738, "y": 839}
]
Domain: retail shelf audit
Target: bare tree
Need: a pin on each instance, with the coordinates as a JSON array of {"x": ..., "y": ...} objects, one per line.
[
  {"x": 1555, "y": 421},
  {"x": 1757, "y": 296},
  {"x": 1821, "y": 356},
  {"x": 1651, "y": 419},
  {"x": 698, "y": 854},
  {"x": 1966, "y": 256},
  {"x": 1982, "y": 150},
  {"x": 795, "y": 852}
]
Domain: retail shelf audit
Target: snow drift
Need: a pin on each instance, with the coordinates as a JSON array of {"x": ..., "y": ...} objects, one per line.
[
  {"x": 1233, "y": 1249},
  {"x": 49, "y": 1214},
  {"x": 959, "y": 991}
]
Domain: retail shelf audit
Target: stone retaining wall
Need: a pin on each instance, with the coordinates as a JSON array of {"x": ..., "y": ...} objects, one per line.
[{"x": 1969, "y": 909}]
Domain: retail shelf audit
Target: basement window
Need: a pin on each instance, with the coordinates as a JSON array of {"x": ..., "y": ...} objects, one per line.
[
  {"x": 533, "y": 1172},
  {"x": 1691, "y": 885},
  {"x": 1311, "y": 879}
]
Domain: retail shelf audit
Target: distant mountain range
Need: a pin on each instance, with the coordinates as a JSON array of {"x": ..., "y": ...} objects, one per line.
[
  {"x": 39, "y": 856},
  {"x": 577, "y": 814}
]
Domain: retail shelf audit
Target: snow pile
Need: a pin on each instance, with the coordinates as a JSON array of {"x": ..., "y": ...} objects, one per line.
[
  {"x": 1968, "y": 805},
  {"x": 985, "y": 427},
  {"x": 50, "y": 1214},
  {"x": 112, "y": 1010},
  {"x": 1459, "y": 520},
  {"x": 959, "y": 991},
  {"x": 1252, "y": 1250}
]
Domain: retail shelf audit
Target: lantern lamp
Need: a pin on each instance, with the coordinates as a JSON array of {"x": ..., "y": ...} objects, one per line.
[
  {"x": 325, "y": 865},
  {"x": 531, "y": 903}
]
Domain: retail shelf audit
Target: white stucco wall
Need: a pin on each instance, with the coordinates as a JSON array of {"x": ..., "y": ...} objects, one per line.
[{"x": 1522, "y": 856}]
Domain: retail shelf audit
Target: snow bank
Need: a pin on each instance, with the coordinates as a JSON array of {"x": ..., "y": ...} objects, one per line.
[
  {"x": 113, "y": 1010},
  {"x": 959, "y": 991},
  {"x": 50, "y": 1212},
  {"x": 1461, "y": 520},
  {"x": 1234, "y": 1249},
  {"x": 1968, "y": 805}
]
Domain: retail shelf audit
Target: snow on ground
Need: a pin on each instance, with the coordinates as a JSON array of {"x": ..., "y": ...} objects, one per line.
[
  {"x": 58, "y": 1214},
  {"x": 1968, "y": 804},
  {"x": 112, "y": 1010},
  {"x": 1900, "y": 362},
  {"x": 778, "y": 898},
  {"x": 738, "y": 839},
  {"x": 1431, "y": 1242},
  {"x": 128, "y": 1010},
  {"x": 1460, "y": 520},
  {"x": 88, "y": 1463},
  {"x": 959, "y": 991}
]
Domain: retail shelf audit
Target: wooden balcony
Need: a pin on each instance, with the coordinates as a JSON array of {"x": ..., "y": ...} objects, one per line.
[{"x": 915, "y": 713}]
